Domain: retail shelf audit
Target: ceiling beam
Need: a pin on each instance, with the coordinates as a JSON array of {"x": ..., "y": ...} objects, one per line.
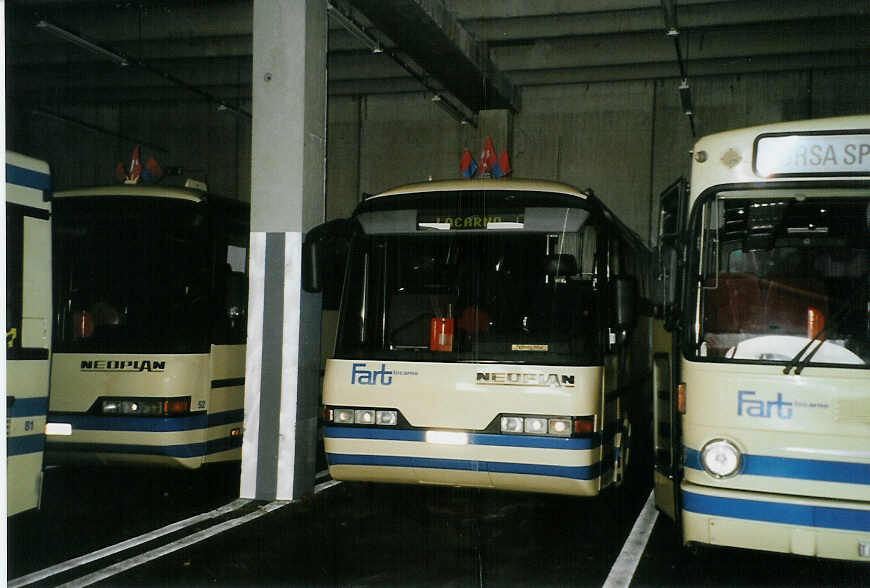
[
  {"x": 638, "y": 48},
  {"x": 463, "y": 9},
  {"x": 430, "y": 35},
  {"x": 240, "y": 95},
  {"x": 745, "y": 12}
]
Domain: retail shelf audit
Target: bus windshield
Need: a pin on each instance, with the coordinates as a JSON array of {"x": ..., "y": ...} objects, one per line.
[
  {"x": 780, "y": 269},
  {"x": 473, "y": 276},
  {"x": 131, "y": 275}
]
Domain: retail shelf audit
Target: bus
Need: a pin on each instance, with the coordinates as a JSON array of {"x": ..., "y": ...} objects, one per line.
[
  {"x": 150, "y": 287},
  {"x": 493, "y": 333},
  {"x": 763, "y": 415},
  {"x": 28, "y": 327}
]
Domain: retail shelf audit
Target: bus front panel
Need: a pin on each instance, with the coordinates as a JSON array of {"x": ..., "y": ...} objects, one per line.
[
  {"x": 129, "y": 409},
  {"x": 450, "y": 425}
]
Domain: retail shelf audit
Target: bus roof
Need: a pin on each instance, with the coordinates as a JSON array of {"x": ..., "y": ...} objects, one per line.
[
  {"x": 26, "y": 162},
  {"x": 137, "y": 190},
  {"x": 484, "y": 184},
  {"x": 732, "y": 157}
]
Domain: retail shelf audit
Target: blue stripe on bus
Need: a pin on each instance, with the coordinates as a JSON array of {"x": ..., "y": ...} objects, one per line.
[
  {"x": 178, "y": 451},
  {"x": 25, "y": 407},
  {"x": 21, "y": 176},
  {"x": 25, "y": 444},
  {"x": 778, "y": 512},
  {"x": 473, "y": 438},
  {"x": 574, "y": 472},
  {"x": 788, "y": 467},
  {"x": 148, "y": 424}
]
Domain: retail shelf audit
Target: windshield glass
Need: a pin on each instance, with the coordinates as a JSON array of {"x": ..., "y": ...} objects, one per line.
[
  {"x": 778, "y": 269},
  {"x": 473, "y": 277},
  {"x": 131, "y": 275}
]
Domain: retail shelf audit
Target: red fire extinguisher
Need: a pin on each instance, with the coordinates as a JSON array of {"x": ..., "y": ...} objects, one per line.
[{"x": 441, "y": 333}]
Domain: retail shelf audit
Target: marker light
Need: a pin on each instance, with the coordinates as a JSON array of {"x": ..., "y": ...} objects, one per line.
[
  {"x": 681, "y": 398},
  {"x": 721, "y": 459},
  {"x": 584, "y": 425},
  {"x": 176, "y": 406}
]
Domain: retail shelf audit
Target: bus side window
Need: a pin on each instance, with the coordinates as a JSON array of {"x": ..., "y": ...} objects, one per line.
[
  {"x": 235, "y": 306},
  {"x": 588, "y": 249},
  {"x": 231, "y": 282}
]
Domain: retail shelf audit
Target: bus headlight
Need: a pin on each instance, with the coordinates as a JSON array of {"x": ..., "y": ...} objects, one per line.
[
  {"x": 511, "y": 424},
  {"x": 145, "y": 406},
  {"x": 386, "y": 417},
  {"x": 346, "y": 415},
  {"x": 535, "y": 425},
  {"x": 553, "y": 426},
  {"x": 559, "y": 427},
  {"x": 343, "y": 416},
  {"x": 721, "y": 458}
]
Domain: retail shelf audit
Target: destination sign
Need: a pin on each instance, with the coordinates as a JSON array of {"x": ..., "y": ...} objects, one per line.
[
  {"x": 813, "y": 154},
  {"x": 459, "y": 222}
]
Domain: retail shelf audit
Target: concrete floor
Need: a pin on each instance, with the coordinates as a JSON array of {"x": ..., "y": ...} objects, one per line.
[{"x": 369, "y": 534}]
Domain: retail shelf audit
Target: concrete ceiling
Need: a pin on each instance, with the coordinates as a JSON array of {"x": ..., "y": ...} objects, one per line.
[{"x": 470, "y": 54}]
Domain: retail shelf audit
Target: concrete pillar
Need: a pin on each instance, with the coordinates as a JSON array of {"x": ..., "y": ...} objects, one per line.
[{"x": 287, "y": 199}]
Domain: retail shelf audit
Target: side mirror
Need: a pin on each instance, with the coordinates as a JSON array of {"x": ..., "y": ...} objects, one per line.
[
  {"x": 623, "y": 304},
  {"x": 673, "y": 203},
  {"x": 323, "y": 259}
]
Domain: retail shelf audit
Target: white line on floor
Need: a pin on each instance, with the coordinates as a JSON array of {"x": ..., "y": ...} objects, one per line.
[
  {"x": 623, "y": 569},
  {"x": 174, "y": 546},
  {"x": 163, "y": 550},
  {"x": 123, "y": 545}
]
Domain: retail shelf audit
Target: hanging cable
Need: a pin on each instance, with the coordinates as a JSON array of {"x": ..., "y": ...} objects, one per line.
[{"x": 672, "y": 30}]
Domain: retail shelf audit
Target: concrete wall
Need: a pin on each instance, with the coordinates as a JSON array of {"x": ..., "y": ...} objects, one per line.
[
  {"x": 84, "y": 144},
  {"x": 625, "y": 140}
]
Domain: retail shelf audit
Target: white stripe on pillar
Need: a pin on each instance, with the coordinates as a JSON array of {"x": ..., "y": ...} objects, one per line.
[{"x": 253, "y": 365}]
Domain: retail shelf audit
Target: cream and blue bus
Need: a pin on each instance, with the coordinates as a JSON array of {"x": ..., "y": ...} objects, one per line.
[
  {"x": 150, "y": 299},
  {"x": 493, "y": 333},
  {"x": 28, "y": 327},
  {"x": 763, "y": 441}
]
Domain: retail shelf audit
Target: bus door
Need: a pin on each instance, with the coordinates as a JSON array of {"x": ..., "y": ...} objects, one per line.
[{"x": 672, "y": 213}]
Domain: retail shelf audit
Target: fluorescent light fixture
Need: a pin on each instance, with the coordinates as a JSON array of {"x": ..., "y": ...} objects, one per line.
[
  {"x": 447, "y": 437},
  {"x": 686, "y": 97},
  {"x": 81, "y": 42},
  {"x": 353, "y": 28}
]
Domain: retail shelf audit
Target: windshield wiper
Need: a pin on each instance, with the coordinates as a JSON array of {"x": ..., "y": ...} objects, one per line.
[{"x": 799, "y": 361}]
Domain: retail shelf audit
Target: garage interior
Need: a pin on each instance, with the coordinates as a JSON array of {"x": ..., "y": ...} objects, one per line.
[{"x": 601, "y": 94}]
